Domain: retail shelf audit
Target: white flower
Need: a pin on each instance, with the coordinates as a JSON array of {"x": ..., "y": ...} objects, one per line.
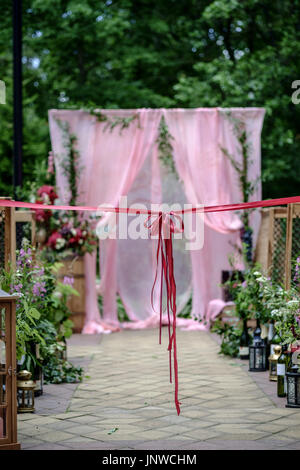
[
  {"x": 275, "y": 312},
  {"x": 73, "y": 232},
  {"x": 257, "y": 273},
  {"x": 60, "y": 243},
  {"x": 57, "y": 294}
]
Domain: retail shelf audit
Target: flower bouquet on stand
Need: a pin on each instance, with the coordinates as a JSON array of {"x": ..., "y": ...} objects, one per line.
[{"x": 66, "y": 236}]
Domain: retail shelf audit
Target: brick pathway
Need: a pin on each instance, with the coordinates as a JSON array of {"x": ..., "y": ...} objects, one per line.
[{"x": 127, "y": 402}]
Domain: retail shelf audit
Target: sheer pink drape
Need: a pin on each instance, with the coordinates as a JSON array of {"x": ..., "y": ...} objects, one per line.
[
  {"x": 210, "y": 179},
  {"x": 110, "y": 162},
  {"x": 126, "y": 163}
]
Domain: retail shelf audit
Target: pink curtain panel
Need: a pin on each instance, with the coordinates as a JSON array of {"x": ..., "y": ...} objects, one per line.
[{"x": 118, "y": 163}]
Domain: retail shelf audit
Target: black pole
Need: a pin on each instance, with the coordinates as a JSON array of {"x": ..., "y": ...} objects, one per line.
[{"x": 18, "y": 119}]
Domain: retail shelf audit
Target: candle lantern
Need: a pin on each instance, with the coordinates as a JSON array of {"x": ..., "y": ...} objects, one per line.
[
  {"x": 257, "y": 353},
  {"x": 293, "y": 382},
  {"x": 273, "y": 359},
  {"x": 25, "y": 392}
]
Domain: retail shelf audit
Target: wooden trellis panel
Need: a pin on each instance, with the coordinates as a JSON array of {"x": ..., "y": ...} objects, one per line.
[{"x": 279, "y": 242}]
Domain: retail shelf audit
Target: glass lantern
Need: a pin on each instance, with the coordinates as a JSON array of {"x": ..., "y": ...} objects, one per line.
[
  {"x": 257, "y": 353},
  {"x": 273, "y": 359},
  {"x": 293, "y": 382},
  {"x": 25, "y": 392}
]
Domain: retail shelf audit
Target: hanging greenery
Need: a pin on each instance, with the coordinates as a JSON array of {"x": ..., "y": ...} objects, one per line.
[
  {"x": 247, "y": 187},
  {"x": 114, "y": 121},
  {"x": 70, "y": 163},
  {"x": 165, "y": 148}
]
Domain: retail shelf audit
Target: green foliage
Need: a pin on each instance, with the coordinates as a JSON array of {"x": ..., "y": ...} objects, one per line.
[
  {"x": 42, "y": 316},
  {"x": 141, "y": 53},
  {"x": 165, "y": 149},
  {"x": 115, "y": 121},
  {"x": 248, "y": 296},
  {"x": 283, "y": 307},
  {"x": 246, "y": 185},
  {"x": 121, "y": 312},
  {"x": 186, "y": 312},
  {"x": 247, "y": 56},
  {"x": 57, "y": 371},
  {"x": 230, "y": 335}
]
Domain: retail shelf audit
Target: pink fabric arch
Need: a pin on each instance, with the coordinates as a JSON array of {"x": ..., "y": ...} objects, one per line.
[{"x": 126, "y": 163}]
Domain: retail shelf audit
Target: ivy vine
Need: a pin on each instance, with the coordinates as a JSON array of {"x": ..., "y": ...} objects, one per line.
[
  {"x": 70, "y": 163},
  {"x": 114, "y": 121},
  {"x": 165, "y": 148},
  {"x": 242, "y": 169}
]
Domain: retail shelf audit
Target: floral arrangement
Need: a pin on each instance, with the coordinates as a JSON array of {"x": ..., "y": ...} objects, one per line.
[
  {"x": 283, "y": 307},
  {"x": 260, "y": 297},
  {"x": 42, "y": 315},
  {"x": 63, "y": 232},
  {"x": 248, "y": 296}
]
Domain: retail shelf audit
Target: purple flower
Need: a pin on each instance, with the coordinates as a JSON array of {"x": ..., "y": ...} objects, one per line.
[
  {"x": 69, "y": 281},
  {"x": 38, "y": 289},
  {"x": 16, "y": 288}
]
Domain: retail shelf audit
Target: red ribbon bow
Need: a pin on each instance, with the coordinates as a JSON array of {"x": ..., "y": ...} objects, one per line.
[{"x": 164, "y": 225}]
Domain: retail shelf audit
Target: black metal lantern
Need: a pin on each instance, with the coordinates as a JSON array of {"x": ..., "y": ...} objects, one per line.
[
  {"x": 257, "y": 353},
  {"x": 293, "y": 383}
]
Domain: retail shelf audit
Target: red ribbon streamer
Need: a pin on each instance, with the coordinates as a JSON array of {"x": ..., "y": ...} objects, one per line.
[{"x": 163, "y": 225}]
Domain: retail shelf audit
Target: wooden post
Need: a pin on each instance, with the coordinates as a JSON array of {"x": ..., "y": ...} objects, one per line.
[{"x": 288, "y": 247}]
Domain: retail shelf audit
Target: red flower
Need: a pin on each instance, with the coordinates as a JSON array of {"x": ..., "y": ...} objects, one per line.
[
  {"x": 53, "y": 238},
  {"x": 42, "y": 215},
  {"x": 75, "y": 239},
  {"x": 49, "y": 191}
]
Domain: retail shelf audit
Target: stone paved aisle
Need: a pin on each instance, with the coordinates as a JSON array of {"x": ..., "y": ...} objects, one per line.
[{"x": 127, "y": 401}]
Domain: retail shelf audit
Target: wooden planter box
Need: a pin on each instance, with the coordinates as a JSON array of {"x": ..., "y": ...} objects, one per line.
[{"x": 75, "y": 268}]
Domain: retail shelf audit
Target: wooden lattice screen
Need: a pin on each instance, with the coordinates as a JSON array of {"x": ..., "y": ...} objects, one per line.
[{"x": 279, "y": 242}]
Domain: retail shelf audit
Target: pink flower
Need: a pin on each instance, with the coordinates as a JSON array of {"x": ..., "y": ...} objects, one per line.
[
  {"x": 49, "y": 191},
  {"x": 42, "y": 215}
]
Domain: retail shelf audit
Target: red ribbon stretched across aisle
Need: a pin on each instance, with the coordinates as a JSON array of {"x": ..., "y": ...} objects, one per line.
[
  {"x": 164, "y": 225},
  {"x": 100, "y": 208}
]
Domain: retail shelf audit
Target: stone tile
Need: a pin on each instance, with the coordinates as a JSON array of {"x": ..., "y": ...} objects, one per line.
[
  {"x": 201, "y": 434},
  {"x": 56, "y": 436},
  {"x": 49, "y": 446},
  {"x": 223, "y": 406}
]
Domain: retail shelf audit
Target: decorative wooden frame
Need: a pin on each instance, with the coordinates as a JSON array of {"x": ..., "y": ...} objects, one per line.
[
  {"x": 9, "y": 372},
  {"x": 24, "y": 216},
  {"x": 11, "y": 218},
  {"x": 267, "y": 239},
  {"x": 9, "y": 246}
]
